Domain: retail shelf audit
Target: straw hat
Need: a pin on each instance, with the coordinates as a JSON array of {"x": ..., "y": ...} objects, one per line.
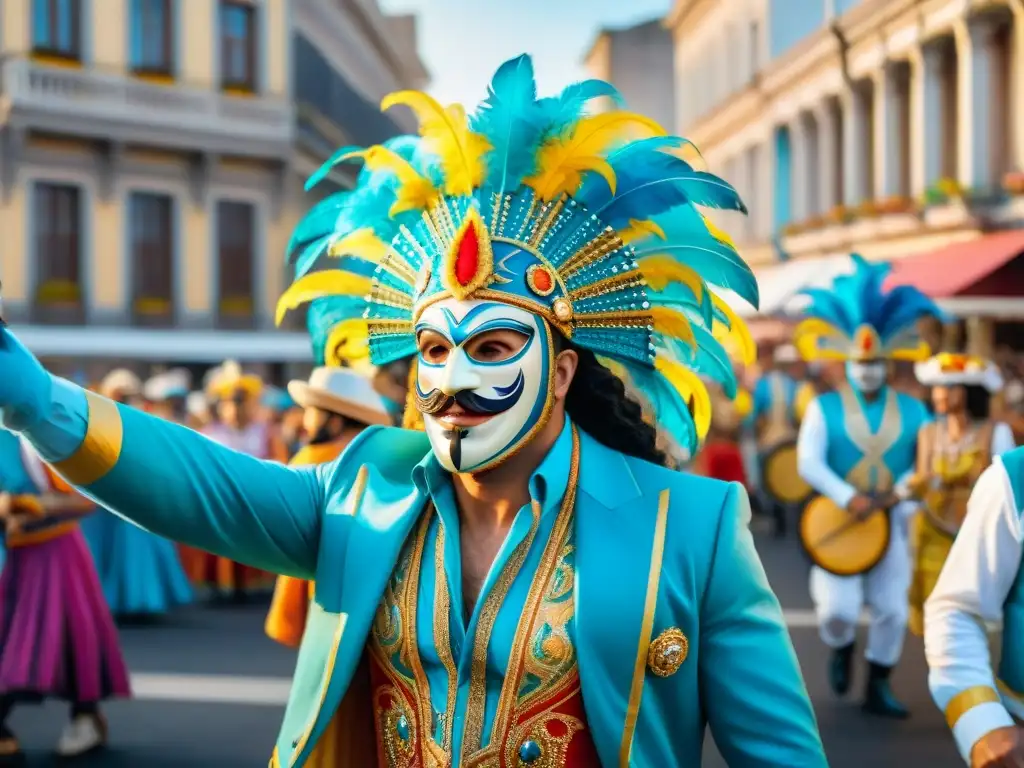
[
  {"x": 120, "y": 381},
  {"x": 341, "y": 391},
  {"x": 167, "y": 385},
  {"x": 229, "y": 378}
]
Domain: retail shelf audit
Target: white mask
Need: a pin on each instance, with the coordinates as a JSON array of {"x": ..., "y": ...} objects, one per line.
[
  {"x": 868, "y": 377},
  {"x": 516, "y": 392}
]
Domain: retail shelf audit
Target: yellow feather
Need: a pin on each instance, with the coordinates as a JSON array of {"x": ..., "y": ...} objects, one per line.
[
  {"x": 362, "y": 243},
  {"x": 691, "y": 388},
  {"x": 638, "y": 230},
  {"x": 718, "y": 234},
  {"x": 807, "y": 335},
  {"x": 562, "y": 161},
  {"x": 917, "y": 354},
  {"x": 348, "y": 342},
  {"x": 447, "y": 135},
  {"x": 659, "y": 271},
  {"x": 669, "y": 322},
  {"x": 414, "y": 191},
  {"x": 316, "y": 285},
  {"x": 737, "y": 331}
]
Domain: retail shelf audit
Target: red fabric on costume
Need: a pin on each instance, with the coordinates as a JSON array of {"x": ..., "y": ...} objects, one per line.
[
  {"x": 562, "y": 714},
  {"x": 722, "y": 460}
]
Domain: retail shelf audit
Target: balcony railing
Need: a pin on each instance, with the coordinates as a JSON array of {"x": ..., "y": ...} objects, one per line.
[{"x": 124, "y": 108}]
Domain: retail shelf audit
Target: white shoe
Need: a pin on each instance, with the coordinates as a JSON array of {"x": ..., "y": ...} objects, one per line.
[{"x": 83, "y": 734}]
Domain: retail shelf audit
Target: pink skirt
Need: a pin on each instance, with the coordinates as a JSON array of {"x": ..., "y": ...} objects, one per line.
[{"x": 57, "y": 637}]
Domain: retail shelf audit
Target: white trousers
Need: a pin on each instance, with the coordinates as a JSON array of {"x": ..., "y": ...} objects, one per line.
[{"x": 839, "y": 600}]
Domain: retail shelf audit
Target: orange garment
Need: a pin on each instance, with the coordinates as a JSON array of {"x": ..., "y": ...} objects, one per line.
[{"x": 286, "y": 620}]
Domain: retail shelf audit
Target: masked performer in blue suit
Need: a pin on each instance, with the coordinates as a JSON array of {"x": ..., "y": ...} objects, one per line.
[
  {"x": 857, "y": 448},
  {"x": 523, "y": 583}
]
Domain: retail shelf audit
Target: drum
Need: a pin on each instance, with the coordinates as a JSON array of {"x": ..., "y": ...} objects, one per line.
[
  {"x": 780, "y": 476},
  {"x": 838, "y": 542}
]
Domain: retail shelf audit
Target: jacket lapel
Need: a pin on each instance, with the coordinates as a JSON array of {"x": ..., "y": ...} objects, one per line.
[
  {"x": 616, "y": 535},
  {"x": 380, "y": 515}
]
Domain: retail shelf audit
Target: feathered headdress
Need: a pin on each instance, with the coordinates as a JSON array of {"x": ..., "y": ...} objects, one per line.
[
  {"x": 589, "y": 220},
  {"x": 857, "y": 320}
]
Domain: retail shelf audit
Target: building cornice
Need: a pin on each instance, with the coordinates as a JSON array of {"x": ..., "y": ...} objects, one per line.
[{"x": 684, "y": 12}]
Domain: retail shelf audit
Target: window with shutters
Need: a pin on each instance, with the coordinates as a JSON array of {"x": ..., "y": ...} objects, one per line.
[
  {"x": 238, "y": 46},
  {"x": 57, "y": 28},
  {"x": 236, "y": 251},
  {"x": 151, "y": 232},
  {"x": 57, "y": 235}
]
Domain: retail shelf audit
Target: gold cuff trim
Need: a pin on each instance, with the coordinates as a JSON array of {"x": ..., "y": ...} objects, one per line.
[
  {"x": 967, "y": 700},
  {"x": 636, "y": 689},
  {"x": 101, "y": 448}
]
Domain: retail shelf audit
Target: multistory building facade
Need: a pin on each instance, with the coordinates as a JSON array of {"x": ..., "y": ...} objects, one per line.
[
  {"x": 152, "y": 154},
  {"x": 890, "y": 127}
]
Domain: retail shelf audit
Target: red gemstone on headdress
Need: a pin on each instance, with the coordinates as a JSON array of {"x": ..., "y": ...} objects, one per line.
[
  {"x": 467, "y": 260},
  {"x": 542, "y": 280},
  {"x": 866, "y": 343}
]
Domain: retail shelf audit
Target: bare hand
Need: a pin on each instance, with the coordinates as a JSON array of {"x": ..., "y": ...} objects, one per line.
[
  {"x": 861, "y": 506},
  {"x": 1001, "y": 748},
  {"x": 13, "y": 524}
]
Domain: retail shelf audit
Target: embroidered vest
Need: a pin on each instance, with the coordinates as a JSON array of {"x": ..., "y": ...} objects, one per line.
[
  {"x": 540, "y": 720},
  {"x": 870, "y": 461}
]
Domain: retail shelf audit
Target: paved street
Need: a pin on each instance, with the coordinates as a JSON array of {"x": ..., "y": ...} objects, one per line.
[{"x": 210, "y": 690}]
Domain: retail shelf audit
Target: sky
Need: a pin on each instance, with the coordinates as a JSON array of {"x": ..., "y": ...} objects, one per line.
[{"x": 462, "y": 42}]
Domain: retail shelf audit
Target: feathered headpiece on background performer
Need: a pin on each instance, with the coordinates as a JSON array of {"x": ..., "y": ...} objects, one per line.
[
  {"x": 857, "y": 320},
  {"x": 589, "y": 220}
]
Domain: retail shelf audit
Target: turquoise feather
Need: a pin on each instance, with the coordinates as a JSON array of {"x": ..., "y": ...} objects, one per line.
[
  {"x": 513, "y": 123},
  {"x": 859, "y": 299}
]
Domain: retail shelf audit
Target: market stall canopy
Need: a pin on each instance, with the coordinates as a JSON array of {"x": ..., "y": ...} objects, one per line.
[
  {"x": 979, "y": 277},
  {"x": 951, "y": 270},
  {"x": 780, "y": 285}
]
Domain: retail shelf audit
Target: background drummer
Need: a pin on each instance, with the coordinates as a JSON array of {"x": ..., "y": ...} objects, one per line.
[
  {"x": 952, "y": 452},
  {"x": 857, "y": 448},
  {"x": 774, "y": 415}
]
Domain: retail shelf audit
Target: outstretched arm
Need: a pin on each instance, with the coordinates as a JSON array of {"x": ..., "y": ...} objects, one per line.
[
  {"x": 972, "y": 588},
  {"x": 179, "y": 484},
  {"x": 757, "y": 705}
]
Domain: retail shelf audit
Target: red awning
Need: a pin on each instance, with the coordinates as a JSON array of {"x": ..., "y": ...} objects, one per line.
[{"x": 949, "y": 271}]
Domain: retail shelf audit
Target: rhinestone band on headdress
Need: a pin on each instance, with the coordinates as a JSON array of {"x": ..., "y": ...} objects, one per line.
[{"x": 534, "y": 203}]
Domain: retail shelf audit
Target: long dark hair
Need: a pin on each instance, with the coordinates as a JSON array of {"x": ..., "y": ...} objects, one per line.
[
  {"x": 598, "y": 404},
  {"x": 977, "y": 401}
]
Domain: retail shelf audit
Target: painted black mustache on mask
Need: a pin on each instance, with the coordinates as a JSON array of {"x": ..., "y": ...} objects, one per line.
[{"x": 437, "y": 401}]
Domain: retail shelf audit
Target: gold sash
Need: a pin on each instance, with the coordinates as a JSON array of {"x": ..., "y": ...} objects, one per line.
[{"x": 870, "y": 474}]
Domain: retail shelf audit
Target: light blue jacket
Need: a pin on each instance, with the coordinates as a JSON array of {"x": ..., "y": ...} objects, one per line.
[{"x": 656, "y": 549}]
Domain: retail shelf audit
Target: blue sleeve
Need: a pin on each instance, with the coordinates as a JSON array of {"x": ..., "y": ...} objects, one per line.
[
  {"x": 757, "y": 705},
  {"x": 184, "y": 486}
]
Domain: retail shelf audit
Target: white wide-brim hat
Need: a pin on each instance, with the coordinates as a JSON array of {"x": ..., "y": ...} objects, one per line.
[
  {"x": 341, "y": 391},
  {"x": 955, "y": 370}
]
